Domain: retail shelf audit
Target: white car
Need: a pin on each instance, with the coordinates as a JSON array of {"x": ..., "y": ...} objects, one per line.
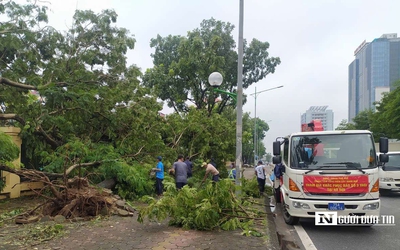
[{"x": 389, "y": 173}]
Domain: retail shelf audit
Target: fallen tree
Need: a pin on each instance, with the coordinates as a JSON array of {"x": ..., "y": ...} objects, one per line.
[
  {"x": 209, "y": 207},
  {"x": 71, "y": 198}
]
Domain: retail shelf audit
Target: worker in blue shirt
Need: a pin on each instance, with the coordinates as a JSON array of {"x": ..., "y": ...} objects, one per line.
[{"x": 159, "y": 169}]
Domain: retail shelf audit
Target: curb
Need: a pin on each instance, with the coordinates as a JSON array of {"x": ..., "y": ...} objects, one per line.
[
  {"x": 285, "y": 238},
  {"x": 273, "y": 241}
]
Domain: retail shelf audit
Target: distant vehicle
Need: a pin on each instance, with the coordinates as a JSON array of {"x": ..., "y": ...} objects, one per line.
[
  {"x": 328, "y": 171},
  {"x": 389, "y": 173}
]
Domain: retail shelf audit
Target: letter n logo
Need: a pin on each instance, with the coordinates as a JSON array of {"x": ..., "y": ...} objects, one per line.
[{"x": 325, "y": 218}]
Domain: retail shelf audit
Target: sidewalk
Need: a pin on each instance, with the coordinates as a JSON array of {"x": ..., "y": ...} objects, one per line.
[{"x": 126, "y": 233}]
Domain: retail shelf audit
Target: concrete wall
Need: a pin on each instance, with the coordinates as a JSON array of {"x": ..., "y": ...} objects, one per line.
[
  {"x": 12, "y": 189},
  {"x": 393, "y": 146}
]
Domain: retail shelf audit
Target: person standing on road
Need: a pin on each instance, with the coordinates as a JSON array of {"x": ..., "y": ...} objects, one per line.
[
  {"x": 159, "y": 169},
  {"x": 260, "y": 173},
  {"x": 180, "y": 170},
  {"x": 190, "y": 166},
  {"x": 210, "y": 169}
]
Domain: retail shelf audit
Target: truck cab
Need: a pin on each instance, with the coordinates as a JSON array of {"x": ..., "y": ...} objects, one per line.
[
  {"x": 328, "y": 171},
  {"x": 389, "y": 173}
]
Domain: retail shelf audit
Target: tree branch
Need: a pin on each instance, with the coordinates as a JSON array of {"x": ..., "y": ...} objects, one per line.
[
  {"x": 47, "y": 138},
  {"x": 176, "y": 142},
  {"x": 12, "y": 117},
  {"x": 136, "y": 154},
  {"x": 24, "y": 172},
  {"x": 11, "y": 31},
  {"x": 39, "y": 129},
  {"x": 8, "y": 82},
  {"x": 200, "y": 104},
  {"x": 88, "y": 164}
]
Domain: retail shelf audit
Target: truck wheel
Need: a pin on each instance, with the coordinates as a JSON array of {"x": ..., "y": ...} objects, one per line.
[{"x": 290, "y": 220}]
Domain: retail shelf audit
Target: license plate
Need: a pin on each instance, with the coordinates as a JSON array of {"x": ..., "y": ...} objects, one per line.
[{"x": 335, "y": 206}]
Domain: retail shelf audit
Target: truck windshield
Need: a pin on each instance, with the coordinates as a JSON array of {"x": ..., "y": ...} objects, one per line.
[
  {"x": 394, "y": 163},
  {"x": 335, "y": 151}
]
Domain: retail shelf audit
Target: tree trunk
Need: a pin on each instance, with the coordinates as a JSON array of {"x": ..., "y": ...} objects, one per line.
[{"x": 109, "y": 183}]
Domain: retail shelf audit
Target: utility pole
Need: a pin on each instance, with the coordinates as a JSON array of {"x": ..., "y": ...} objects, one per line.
[
  {"x": 239, "y": 107},
  {"x": 255, "y": 126},
  {"x": 255, "y": 120}
]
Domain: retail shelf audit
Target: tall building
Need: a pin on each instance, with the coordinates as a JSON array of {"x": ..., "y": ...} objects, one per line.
[
  {"x": 374, "y": 70},
  {"x": 321, "y": 113}
]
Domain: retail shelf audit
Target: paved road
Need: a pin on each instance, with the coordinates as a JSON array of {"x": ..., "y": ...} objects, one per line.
[{"x": 354, "y": 238}]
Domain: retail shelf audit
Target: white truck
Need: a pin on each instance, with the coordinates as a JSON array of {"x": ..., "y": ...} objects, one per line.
[
  {"x": 389, "y": 173},
  {"x": 329, "y": 171}
]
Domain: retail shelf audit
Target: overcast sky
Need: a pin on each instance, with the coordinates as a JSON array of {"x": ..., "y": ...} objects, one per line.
[{"x": 315, "y": 40}]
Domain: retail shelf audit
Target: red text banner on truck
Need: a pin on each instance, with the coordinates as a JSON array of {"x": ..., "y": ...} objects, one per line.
[{"x": 336, "y": 184}]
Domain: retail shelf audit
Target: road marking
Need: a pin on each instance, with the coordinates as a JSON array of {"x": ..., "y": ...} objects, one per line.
[{"x": 307, "y": 242}]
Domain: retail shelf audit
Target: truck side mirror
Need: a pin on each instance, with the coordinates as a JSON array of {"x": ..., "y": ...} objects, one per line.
[
  {"x": 276, "y": 148},
  {"x": 276, "y": 159},
  {"x": 383, "y": 158},
  {"x": 383, "y": 145}
]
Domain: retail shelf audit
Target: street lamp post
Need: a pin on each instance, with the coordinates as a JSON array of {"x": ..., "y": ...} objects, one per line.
[
  {"x": 215, "y": 79},
  {"x": 239, "y": 102},
  {"x": 255, "y": 119}
]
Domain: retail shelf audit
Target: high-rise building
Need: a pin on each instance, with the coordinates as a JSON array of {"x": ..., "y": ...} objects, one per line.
[
  {"x": 374, "y": 70},
  {"x": 321, "y": 113}
]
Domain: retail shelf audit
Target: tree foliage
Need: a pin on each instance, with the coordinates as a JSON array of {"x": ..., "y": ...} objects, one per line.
[
  {"x": 249, "y": 125},
  {"x": 87, "y": 106},
  {"x": 212, "y": 207},
  {"x": 201, "y": 137},
  {"x": 182, "y": 65},
  {"x": 344, "y": 125},
  {"x": 386, "y": 119},
  {"x": 362, "y": 121},
  {"x": 8, "y": 152},
  {"x": 83, "y": 111}
]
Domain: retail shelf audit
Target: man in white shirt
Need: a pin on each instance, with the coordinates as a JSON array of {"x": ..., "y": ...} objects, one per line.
[{"x": 260, "y": 173}]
